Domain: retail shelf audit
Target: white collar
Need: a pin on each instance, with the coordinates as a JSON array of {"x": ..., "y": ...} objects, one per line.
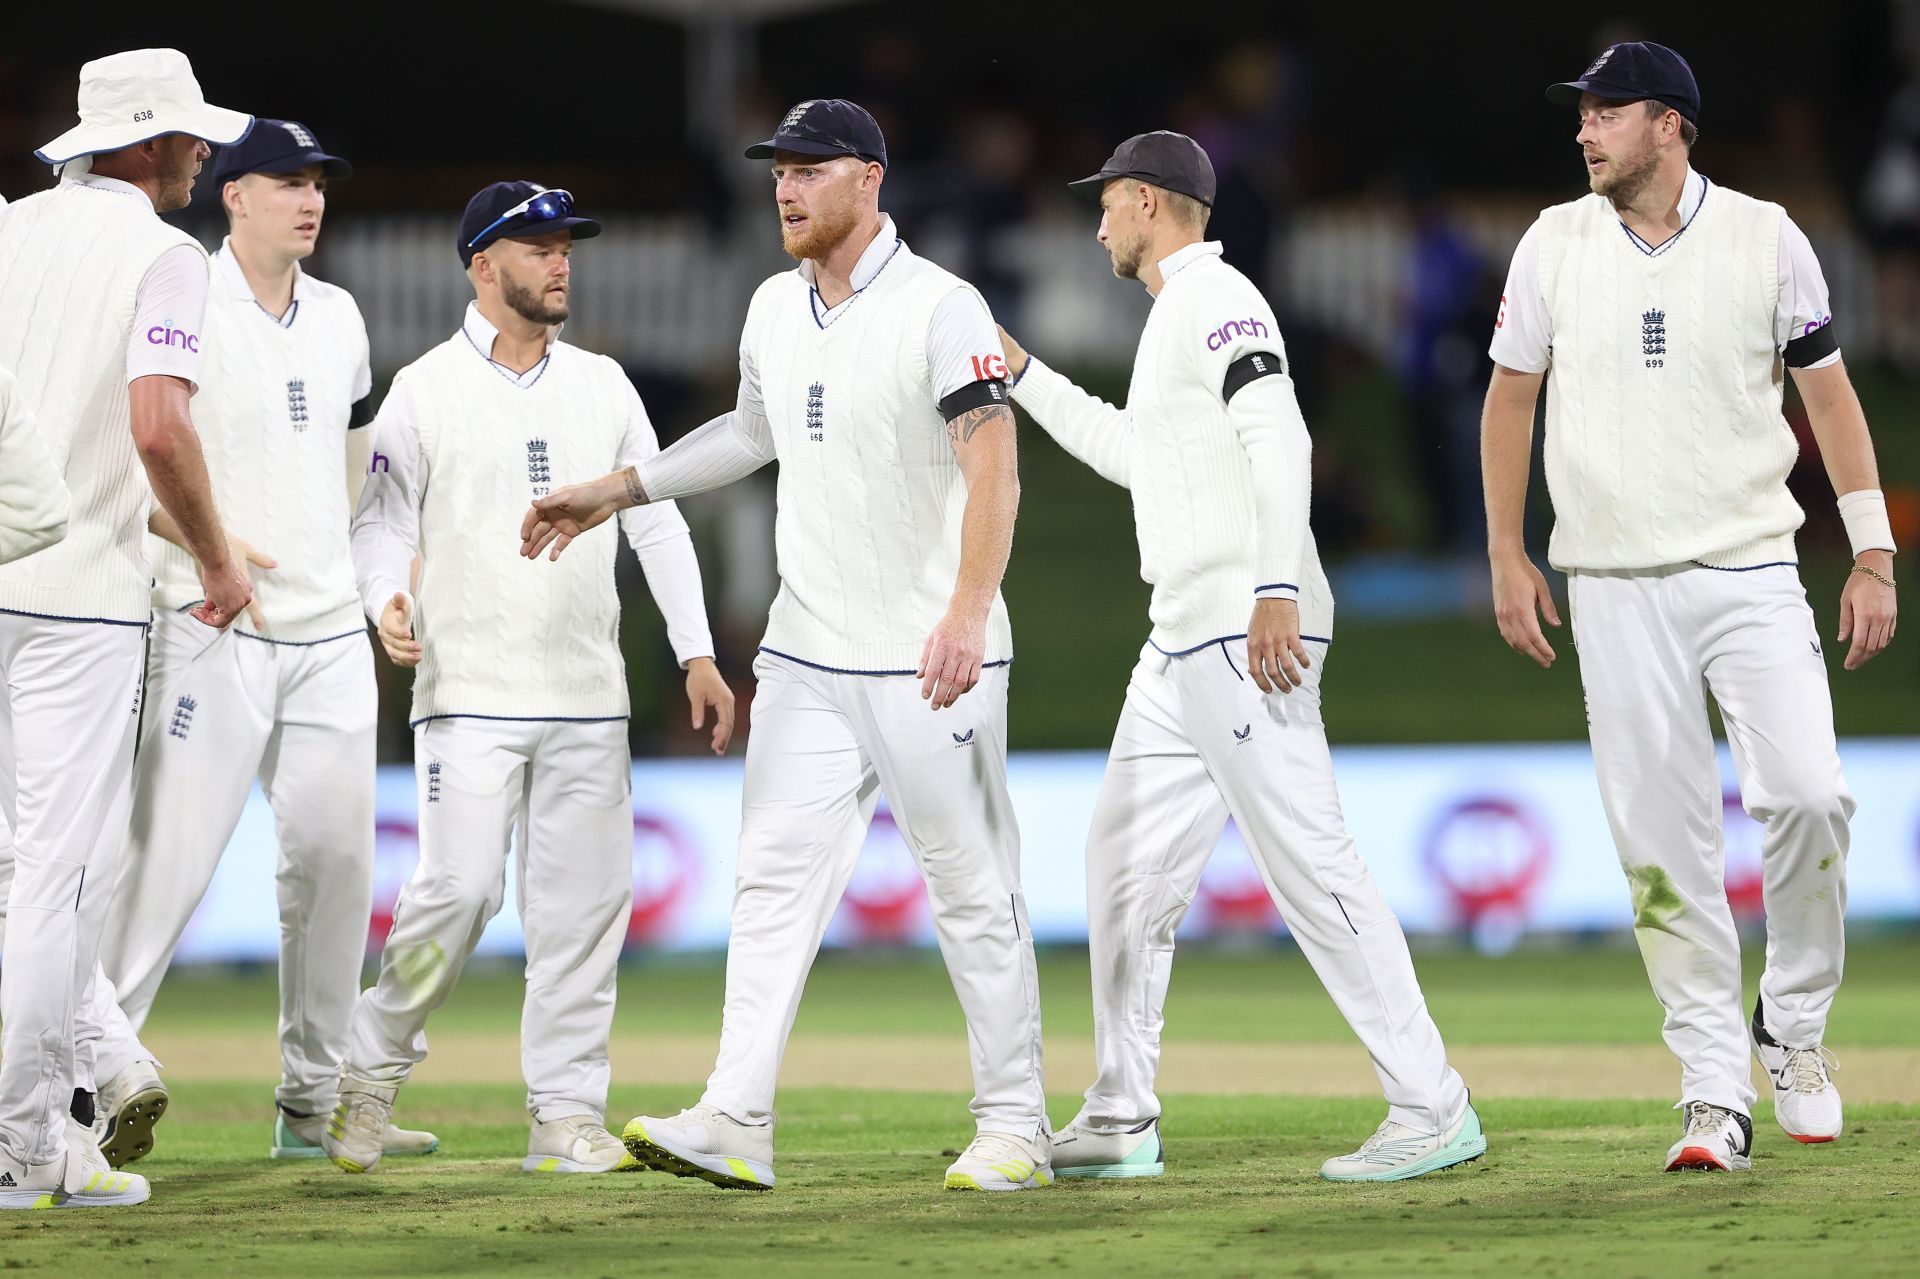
[
  {"x": 1693, "y": 193},
  {"x": 100, "y": 182},
  {"x": 226, "y": 269},
  {"x": 481, "y": 333},
  {"x": 1180, "y": 259},
  {"x": 872, "y": 258}
]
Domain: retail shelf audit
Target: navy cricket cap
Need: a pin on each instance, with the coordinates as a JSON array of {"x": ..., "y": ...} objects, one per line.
[
  {"x": 276, "y": 146},
  {"x": 1172, "y": 161},
  {"x": 1633, "y": 72},
  {"x": 515, "y": 210},
  {"x": 825, "y": 127}
]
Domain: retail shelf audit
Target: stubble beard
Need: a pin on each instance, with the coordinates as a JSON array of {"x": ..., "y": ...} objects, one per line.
[
  {"x": 528, "y": 305},
  {"x": 1127, "y": 257},
  {"x": 1631, "y": 178}
]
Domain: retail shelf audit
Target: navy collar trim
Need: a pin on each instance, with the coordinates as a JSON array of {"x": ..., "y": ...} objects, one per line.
[
  {"x": 538, "y": 371},
  {"x": 813, "y": 294},
  {"x": 1653, "y": 251}
]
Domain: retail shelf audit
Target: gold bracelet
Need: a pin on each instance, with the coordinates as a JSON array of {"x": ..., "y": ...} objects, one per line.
[{"x": 1875, "y": 575}]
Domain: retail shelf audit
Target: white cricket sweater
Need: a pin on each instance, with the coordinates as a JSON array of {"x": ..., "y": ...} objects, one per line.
[
  {"x": 1664, "y": 439},
  {"x": 503, "y": 635},
  {"x": 870, "y": 496},
  {"x": 272, "y": 415},
  {"x": 1220, "y": 491},
  {"x": 33, "y": 498},
  {"x": 72, "y": 258}
]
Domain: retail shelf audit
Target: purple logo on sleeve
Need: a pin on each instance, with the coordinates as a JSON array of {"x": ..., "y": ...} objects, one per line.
[
  {"x": 1226, "y": 333},
  {"x": 166, "y": 335},
  {"x": 1819, "y": 321}
]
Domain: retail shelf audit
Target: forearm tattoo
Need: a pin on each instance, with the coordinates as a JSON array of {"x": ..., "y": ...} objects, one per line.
[
  {"x": 960, "y": 430},
  {"x": 635, "y": 494}
]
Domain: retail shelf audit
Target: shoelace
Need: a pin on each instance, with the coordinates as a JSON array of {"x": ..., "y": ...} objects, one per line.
[
  {"x": 1807, "y": 1069},
  {"x": 996, "y": 1147},
  {"x": 1703, "y": 1120},
  {"x": 366, "y": 1112},
  {"x": 1387, "y": 1133}
]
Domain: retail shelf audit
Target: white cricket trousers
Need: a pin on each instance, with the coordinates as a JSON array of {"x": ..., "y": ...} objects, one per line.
[
  {"x": 222, "y": 709},
  {"x": 1652, "y": 645},
  {"x": 566, "y": 786},
  {"x": 1197, "y": 741},
  {"x": 69, "y": 697},
  {"x": 823, "y": 745}
]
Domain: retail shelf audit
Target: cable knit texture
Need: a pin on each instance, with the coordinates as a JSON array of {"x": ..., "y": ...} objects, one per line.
[
  {"x": 71, "y": 261},
  {"x": 272, "y": 416},
  {"x": 504, "y": 635},
  {"x": 1665, "y": 441},
  {"x": 870, "y": 495},
  {"x": 1219, "y": 505}
]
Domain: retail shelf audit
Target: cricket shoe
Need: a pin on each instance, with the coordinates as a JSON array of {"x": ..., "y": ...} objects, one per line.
[
  {"x": 706, "y": 1143},
  {"x": 577, "y": 1143},
  {"x": 80, "y": 1178},
  {"x": 356, "y": 1132},
  {"x": 1396, "y": 1152},
  {"x": 1080, "y": 1152},
  {"x": 298, "y": 1136},
  {"x": 1000, "y": 1161},
  {"x": 1804, "y": 1099},
  {"x": 128, "y": 1107},
  {"x": 1716, "y": 1140}
]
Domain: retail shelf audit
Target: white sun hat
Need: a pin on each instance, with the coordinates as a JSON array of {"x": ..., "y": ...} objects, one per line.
[{"x": 144, "y": 93}]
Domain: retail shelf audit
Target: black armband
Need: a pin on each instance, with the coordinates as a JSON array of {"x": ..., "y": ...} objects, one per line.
[
  {"x": 1811, "y": 348},
  {"x": 974, "y": 395},
  {"x": 1249, "y": 368},
  {"x": 361, "y": 413}
]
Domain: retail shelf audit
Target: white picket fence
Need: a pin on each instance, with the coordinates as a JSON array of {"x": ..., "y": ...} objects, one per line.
[{"x": 668, "y": 295}]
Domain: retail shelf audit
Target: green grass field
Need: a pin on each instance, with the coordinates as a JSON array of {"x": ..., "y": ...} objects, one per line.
[{"x": 1570, "y": 1184}]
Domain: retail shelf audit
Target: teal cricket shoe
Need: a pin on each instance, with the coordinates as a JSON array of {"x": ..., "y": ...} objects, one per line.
[
  {"x": 297, "y": 1136},
  {"x": 1137, "y": 1152},
  {"x": 1396, "y": 1152}
]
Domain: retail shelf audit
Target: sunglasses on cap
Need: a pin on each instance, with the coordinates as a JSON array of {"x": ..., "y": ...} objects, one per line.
[{"x": 546, "y": 206}]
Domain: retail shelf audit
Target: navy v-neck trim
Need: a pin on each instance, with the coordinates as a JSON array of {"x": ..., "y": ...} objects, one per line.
[
  {"x": 1651, "y": 251},
  {"x": 813, "y": 294},
  {"x": 503, "y": 370}
]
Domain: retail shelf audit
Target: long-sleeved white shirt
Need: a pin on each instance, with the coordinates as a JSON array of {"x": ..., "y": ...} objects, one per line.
[
  {"x": 386, "y": 527},
  {"x": 1221, "y": 488}
]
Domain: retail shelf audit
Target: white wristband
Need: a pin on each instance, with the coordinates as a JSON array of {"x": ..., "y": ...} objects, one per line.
[{"x": 1865, "y": 513}]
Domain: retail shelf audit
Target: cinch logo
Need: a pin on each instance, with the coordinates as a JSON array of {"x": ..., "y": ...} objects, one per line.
[
  {"x": 817, "y": 412},
  {"x": 1247, "y": 328},
  {"x": 297, "y": 403},
  {"x": 167, "y": 335},
  {"x": 1819, "y": 321},
  {"x": 182, "y": 718},
  {"x": 379, "y": 464}
]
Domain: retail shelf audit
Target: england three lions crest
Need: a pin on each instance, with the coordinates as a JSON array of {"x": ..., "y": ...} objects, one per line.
[{"x": 1653, "y": 337}]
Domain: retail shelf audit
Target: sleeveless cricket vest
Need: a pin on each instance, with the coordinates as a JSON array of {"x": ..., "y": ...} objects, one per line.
[
  {"x": 869, "y": 496},
  {"x": 71, "y": 261},
  {"x": 1664, "y": 440},
  {"x": 502, "y": 635}
]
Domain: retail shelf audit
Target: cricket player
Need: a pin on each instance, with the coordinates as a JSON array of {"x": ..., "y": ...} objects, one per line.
[
  {"x": 1222, "y": 714},
  {"x": 34, "y": 502},
  {"x": 1665, "y": 307},
  {"x": 287, "y": 695},
  {"x": 100, "y": 318},
  {"x": 876, "y": 379},
  {"x": 520, "y": 697}
]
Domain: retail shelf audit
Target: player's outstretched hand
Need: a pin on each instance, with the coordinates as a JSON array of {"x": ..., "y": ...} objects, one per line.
[
  {"x": 1274, "y": 652},
  {"x": 567, "y": 512},
  {"x": 1519, "y": 589},
  {"x": 1015, "y": 353},
  {"x": 1868, "y": 610},
  {"x": 396, "y": 631},
  {"x": 705, "y": 688},
  {"x": 950, "y": 661},
  {"x": 228, "y": 592}
]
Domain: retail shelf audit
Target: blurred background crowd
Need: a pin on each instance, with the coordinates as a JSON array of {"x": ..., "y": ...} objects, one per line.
[{"x": 1376, "y": 165}]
